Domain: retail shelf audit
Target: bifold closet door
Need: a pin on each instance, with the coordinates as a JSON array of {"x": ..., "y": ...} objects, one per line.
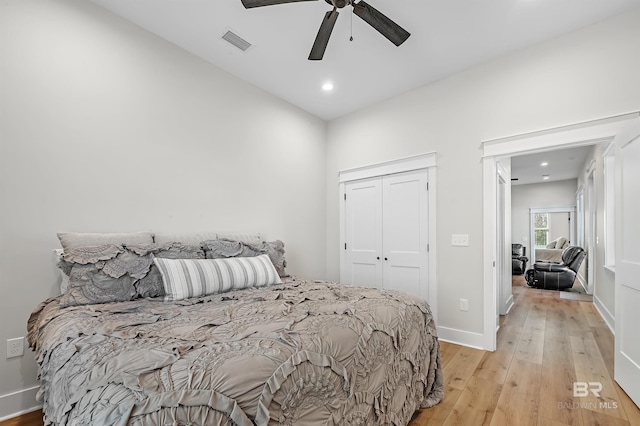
[
  {"x": 387, "y": 233},
  {"x": 405, "y": 224},
  {"x": 364, "y": 232}
]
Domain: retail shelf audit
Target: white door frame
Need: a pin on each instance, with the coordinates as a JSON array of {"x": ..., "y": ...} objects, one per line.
[
  {"x": 503, "y": 235},
  {"x": 591, "y": 230},
  {"x": 580, "y": 134},
  {"x": 407, "y": 164}
]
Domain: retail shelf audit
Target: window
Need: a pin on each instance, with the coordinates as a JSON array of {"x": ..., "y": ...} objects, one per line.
[{"x": 541, "y": 229}]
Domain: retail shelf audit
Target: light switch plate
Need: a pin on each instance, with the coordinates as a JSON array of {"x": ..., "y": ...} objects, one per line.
[{"x": 460, "y": 240}]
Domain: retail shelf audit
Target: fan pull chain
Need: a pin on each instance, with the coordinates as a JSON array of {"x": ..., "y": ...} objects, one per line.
[{"x": 351, "y": 38}]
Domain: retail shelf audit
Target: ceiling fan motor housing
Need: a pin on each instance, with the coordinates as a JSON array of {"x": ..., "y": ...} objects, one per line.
[{"x": 338, "y": 3}]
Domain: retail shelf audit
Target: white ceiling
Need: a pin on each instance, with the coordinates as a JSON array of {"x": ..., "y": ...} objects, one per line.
[
  {"x": 562, "y": 165},
  {"x": 447, "y": 36}
]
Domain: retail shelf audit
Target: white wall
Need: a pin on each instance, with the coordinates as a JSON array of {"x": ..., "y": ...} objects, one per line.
[
  {"x": 586, "y": 75},
  {"x": 539, "y": 195},
  {"x": 105, "y": 127}
]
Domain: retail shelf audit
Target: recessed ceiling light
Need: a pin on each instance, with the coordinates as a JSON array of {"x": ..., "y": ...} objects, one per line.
[
  {"x": 328, "y": 86},
  {"x": 544, "y": 164},
  {"x": 545, "y": 177}
]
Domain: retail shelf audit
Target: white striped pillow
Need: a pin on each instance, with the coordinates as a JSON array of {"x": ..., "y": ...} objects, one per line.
[{"x": 183, "y": 278}]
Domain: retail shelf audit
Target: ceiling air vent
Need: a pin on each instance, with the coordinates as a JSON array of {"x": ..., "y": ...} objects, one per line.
[{"x": 236, "y": 40}]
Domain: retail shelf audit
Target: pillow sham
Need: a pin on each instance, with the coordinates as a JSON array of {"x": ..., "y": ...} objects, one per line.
[
  {"x": 79, "y": 239},
  {"x": 190, "y": 239},
  {"x": 253, "y": 238},
  {"x": 185, "y": 278},
  {"x": 226, "y": 248},
  {"x": 115, "y": 273}
]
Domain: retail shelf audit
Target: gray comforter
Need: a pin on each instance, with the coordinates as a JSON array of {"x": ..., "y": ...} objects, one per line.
[{"x": 301, "y": 353}]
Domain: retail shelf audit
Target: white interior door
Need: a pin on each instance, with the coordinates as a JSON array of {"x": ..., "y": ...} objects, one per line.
[
  {"x": 363, "y": 229},
  {"x": 627, "y": 262},
  {"x": 406, "y": 232}
]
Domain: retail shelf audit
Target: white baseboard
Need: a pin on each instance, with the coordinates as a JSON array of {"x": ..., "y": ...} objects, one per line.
[
  {"x": 581, "y": 281},
  {"x": 606, "y": 315},
  {"x": 509, "y": 304},
  {"x": 461, "y": 337},
  {"x": 18, "y": 403}
]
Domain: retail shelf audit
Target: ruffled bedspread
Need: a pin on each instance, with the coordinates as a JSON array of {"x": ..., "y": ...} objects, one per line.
[{"x": 301, "y": 353}]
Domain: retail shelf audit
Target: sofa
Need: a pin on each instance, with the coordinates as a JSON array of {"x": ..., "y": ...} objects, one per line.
[
  {"x": 553, "y": 251},
  {"x": 518, "y": 259},
  {"x": 557, "y": 276}
]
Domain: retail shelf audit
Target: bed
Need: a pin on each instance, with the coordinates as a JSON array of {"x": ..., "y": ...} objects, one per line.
[{"x": 293, "y": 352}]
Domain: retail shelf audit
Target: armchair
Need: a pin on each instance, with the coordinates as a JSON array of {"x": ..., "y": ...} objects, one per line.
[
  {"x": 518, "y": 259},
  {"x": 557, "y": 276}
]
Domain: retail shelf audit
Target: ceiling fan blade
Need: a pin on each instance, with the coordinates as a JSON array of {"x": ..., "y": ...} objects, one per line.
[
  {"x": 320, "y": 45},
  {"x": 248, "y": 4},
  {"x": 385, "y": 26}
]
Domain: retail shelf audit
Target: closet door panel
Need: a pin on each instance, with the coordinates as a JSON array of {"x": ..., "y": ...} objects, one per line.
[
  {"x": 364, "y": 232},
  {"x": 405, "y": 235}
]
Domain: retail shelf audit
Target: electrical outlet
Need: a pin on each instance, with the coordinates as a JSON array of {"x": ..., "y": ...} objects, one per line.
[
  {"x": 464, "y": 305},
  {"x": 15, "y": 347}
]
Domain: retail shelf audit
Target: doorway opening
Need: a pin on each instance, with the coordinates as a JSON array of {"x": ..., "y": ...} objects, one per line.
[{"x": 503, "y": 150}]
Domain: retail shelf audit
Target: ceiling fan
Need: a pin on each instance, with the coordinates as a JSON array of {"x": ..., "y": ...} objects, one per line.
[{"x": 381, "y": 23}]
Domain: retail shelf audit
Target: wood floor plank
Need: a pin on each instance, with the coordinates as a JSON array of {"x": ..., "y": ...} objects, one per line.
[
  {"x": 558, "y": 373},
  {"x": 631, "y": 410},
  {"x": 518, "y": 403},
  {"x": 595, "y": 418},
  {"x": 460, "y": 369},
  {"x": 591, "y": 314},
  {"x": 605, "y": 342},
  {"x": 590, "y": 368},
  {"x": 437, "y": 415},
  {"x": 531, "y": 344},
  {"x": 495, "y": 365},
  {"x": 33, "y": 418},
  {"x": 476, "y": 404},
  {"x": 448, "y": 351}
]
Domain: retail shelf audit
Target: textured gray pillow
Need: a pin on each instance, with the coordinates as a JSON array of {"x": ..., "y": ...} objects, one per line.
[
  {"x": 223, "y": 248},
  {"x": 118, "y": 273},
  {"x": 79, "y": 239},
  {"x": 184, "y": 238}
]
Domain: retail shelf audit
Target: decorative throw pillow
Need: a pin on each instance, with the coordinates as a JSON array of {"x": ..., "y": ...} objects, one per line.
[
  {"x": 115, "y": 273},
  {"x": 224, "y": 248},
  {"x": 184, "y": 238},
  {"x": 562, "y": 243},
  {"x": 552, "y": 244},
  {"x": 79, "y": 239},
  {"x": 184, "y": 278},
  {"x": 253, "y": 238}
]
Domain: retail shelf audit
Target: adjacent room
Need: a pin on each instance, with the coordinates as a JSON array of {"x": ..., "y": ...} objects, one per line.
[{"x": 373, "y": 169}]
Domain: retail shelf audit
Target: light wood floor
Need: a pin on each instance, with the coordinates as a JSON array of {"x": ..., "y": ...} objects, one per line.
[{"x": 545, "y": 344}]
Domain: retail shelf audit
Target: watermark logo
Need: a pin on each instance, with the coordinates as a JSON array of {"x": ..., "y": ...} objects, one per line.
[{"x": 583, "y": 389}]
